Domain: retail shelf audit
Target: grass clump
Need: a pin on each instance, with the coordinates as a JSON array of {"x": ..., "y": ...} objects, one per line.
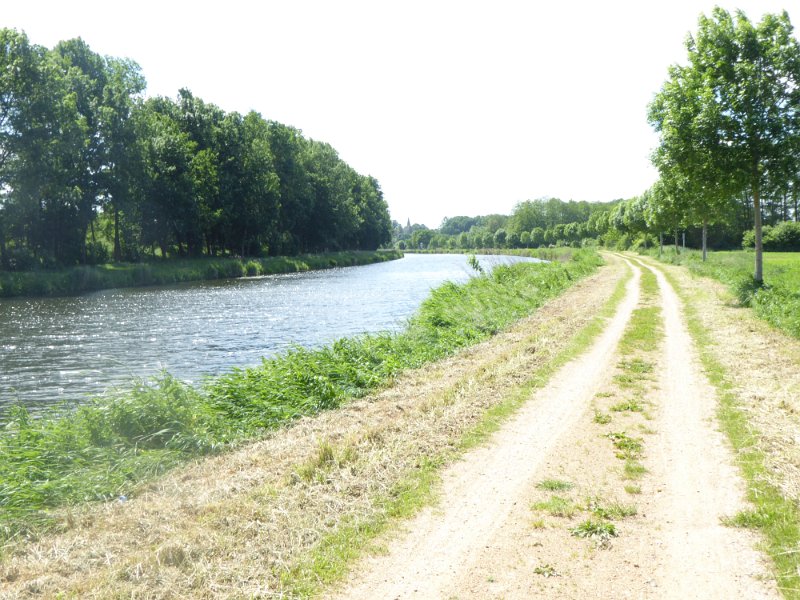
[
  {"x": 601, "y": 418},
  {"x": 596, "y": 529},
  {"x": 614, "y": 510},
  {"x": 637, "y": 366},
  {"x": 555, "y": 485},
  {"x": 643, "y": 332},
  {"x": 546, "y": 570},
  {"x": 633, "y": 469},
  {"x": 105, "y": 448},
  {"x": 631, "y": 405},
  {"x": 557, "y": 506},
  {"x": 628, "y": 448}
]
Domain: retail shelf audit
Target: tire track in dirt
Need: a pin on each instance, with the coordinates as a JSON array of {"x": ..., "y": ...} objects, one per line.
[
  {"x": 703, "y": 558},
  {"x": 479, "y": 542},
  {"x": 479, "y": 492}
]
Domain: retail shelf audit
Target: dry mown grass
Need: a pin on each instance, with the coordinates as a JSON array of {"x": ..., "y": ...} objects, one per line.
[
  {"x": 764, "y": 367},
  {"x": 233, "y": 525}
]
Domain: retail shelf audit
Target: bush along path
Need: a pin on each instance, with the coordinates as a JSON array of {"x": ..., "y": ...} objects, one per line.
[{"x": 610, "y": 482}]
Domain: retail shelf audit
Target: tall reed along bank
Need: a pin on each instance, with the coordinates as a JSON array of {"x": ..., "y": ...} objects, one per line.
[
  {"x": 105, "y": 448},
  {"x": 74, "y": 280}
]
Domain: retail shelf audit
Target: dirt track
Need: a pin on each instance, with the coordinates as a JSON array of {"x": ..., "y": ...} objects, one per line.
[{"x": 483, "y": 540}]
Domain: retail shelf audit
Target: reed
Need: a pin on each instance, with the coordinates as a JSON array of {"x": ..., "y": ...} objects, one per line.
[{"x": 75, "y": 280}]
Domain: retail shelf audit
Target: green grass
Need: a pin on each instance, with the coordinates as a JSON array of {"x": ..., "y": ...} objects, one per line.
[
  {"x": 612, "y": 511},
  {"x": 74, "y": 280},
  {"x": 555, "y": 485},
  {"x": 633, "y": 469},
  {"x": 628, "y": 448},
  {"x": 637, "y": 366},
  {"x": 596, "y": 529},
  {"x": 557, "y": 506},
  {"x": 777, "y": 301},
  {"x": 601, "y": 418},
  {"x": 104, "y": 449},
  {"x": 774, "y": 515},
  {"x": 628, "y": 406},
  {"x": 644, "y": 331}
]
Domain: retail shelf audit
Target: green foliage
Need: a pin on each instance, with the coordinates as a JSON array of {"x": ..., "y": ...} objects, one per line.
[
  {"x": 555, "y": 485},
  {"x": 783, "y": 237},
  {"x": 597, "y": 529},
  {"x": 89, "y": 170},
  {"x": 557, "y": 506},
  {"x": 87, "y": 278},
  {"x": 103, "y": 449},
  {"x": 727, "y": 120},
  {"x": 628, "y": 448},
  {"x": 777, "y": 301}
]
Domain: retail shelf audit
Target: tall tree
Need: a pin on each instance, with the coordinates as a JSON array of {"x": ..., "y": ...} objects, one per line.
[{"x": 737, "y": 107}]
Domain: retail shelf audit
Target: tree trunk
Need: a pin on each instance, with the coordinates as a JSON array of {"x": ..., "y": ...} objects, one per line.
[
  {"x": 794, "y": 198},
  {"x": 759, "y": 270},
  {"x": 3, "y": 252},
  {"x": 117, "y": 245},
  {"x": 677, "y": 247},
  {"x": 660, "y": 244},
  {"x": 705, "y": 239}
]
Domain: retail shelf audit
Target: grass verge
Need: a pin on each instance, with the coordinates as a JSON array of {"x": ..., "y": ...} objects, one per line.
[
  {"x": 775, "y": 516},
  {"x": 331, "y": 558},
  {"x": 777, "y": 301}
]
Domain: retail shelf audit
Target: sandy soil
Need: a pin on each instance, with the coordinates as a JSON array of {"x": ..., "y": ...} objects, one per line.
[{"x": 485, "y": 539}]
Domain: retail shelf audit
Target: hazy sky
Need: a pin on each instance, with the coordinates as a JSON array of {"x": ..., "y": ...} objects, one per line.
[{"x": 457, "y": 108}]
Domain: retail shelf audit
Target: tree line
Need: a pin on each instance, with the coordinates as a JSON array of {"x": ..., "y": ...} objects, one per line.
[
  {"x": 92, "y": 170},
  {"x": 728, "y": 158}
]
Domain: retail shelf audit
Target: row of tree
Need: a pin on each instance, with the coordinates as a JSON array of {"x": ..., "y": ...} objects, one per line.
[
  {"x": 729, "y": 124},
  {"x": 90, "y": 168},
  {"x": 728, "y": 156}
]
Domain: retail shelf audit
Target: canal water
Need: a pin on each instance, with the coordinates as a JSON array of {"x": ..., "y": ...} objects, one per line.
[{"x": 65, "y": 349}]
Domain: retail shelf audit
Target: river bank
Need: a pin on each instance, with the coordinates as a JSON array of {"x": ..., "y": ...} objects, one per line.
[
  {"x": 106, "y": 448},
  {"x": 75, "y": 280}
]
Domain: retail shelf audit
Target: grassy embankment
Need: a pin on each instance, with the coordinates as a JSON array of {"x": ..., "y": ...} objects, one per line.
[
  {"x": 561, "y": 253},
  {"x": 105, "y": 448},
  {"x": 777, "y": 301},
  {"x": 74, "y": 280}
]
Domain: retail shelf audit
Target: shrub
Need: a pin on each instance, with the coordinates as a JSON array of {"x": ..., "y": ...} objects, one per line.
[
  {"x": 783, "y": 237},
  {"x": 253, "y": 268}
]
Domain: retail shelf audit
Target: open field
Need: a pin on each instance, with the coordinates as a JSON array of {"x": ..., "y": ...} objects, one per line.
[{"x": 777, "y": 302}]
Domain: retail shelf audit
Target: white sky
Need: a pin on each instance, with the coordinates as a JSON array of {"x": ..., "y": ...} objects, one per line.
[{"x": 457, "y": 108}]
